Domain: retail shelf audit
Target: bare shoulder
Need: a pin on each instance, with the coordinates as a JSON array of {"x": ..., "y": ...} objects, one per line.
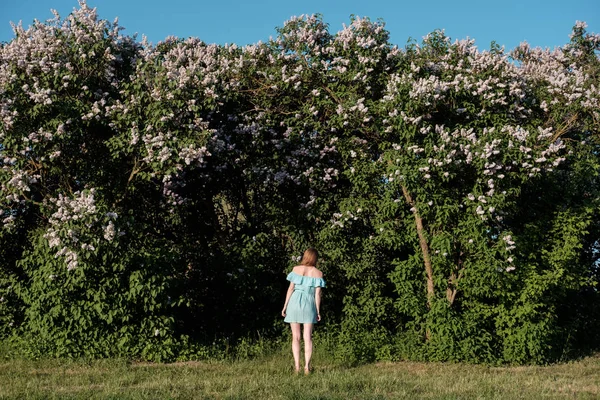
[
  {"x": 316, "y": 273},
  {"x": 299, "y": 269}
]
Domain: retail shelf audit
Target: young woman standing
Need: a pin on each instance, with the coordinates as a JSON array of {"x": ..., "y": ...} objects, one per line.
[{"x": 303, "y": 305}]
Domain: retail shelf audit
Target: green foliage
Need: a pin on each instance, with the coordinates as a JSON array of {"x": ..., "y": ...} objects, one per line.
[
  {"x": 153, "y": 197},
  {"x": 110, "y": 305}
]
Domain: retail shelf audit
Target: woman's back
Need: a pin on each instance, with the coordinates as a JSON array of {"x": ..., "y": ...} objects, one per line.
[
  {"x": 304, "y": 270},
  {"x": 302, "y": 303}
]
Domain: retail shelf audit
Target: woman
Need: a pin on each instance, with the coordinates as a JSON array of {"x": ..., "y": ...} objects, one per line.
[{"x": 303, "y": 304}]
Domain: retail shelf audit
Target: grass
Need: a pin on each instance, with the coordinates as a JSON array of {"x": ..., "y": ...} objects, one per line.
[{"x": 272, "y": 378}]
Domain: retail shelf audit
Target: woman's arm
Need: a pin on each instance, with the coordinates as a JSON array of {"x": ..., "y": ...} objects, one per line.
[
  {"x": 287, "y": 298},
  {"x": 318, "y": 302}
]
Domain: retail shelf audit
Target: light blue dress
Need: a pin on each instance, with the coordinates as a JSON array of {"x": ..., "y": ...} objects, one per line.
[{"x": 302, "y": 307}]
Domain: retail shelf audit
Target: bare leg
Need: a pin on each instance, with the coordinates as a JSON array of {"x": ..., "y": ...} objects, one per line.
[
  {"x": 308, "y": 346},
  {"x": 296, "y": 345}
]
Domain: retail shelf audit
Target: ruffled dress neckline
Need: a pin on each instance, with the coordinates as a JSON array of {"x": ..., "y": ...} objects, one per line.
[{"x": 298, "y": 279}]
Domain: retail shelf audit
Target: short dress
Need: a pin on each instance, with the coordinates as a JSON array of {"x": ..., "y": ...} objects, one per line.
[{"x": 301, "y": 307}]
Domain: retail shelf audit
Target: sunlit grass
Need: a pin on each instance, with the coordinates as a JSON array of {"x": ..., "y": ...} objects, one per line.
[{"x": 272, "y": 378}]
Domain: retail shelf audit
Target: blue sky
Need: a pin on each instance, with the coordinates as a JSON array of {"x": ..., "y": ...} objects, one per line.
[{"x": 545, "y": 23}]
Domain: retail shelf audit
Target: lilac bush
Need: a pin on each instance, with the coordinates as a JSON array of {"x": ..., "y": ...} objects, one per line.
[{"x": 148, "y": 189}]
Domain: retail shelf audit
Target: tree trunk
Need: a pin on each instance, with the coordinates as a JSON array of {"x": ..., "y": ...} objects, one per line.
[
  {"x": 423, "y": 244},
  {"x": 453, "y": 281}
]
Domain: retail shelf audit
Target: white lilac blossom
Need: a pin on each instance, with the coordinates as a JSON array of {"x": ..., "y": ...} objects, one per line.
[
  {"x": 340, "y": 218},
  {"x": 81, "y": 215},
  {"x": 109, "y": 231}
]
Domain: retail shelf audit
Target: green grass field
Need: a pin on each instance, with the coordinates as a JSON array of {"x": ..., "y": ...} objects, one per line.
[{"x": 272, "y": 378}]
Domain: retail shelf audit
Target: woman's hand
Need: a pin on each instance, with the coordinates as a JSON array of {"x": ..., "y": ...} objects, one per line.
[
  {"x": 318, "y": 317},
  {"x": 283, "y": 313}
]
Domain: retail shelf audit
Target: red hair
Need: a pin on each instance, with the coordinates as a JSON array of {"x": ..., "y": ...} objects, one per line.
[{"x": 310, "y": 257}]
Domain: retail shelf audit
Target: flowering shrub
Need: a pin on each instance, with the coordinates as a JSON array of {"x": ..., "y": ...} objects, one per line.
[{"x": 155, "y": 194}]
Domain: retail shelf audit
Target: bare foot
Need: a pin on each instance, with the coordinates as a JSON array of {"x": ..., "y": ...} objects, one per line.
[{"x": 306, "y": 371}]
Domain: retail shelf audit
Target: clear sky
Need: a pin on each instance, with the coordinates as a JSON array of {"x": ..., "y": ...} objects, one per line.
[{"x": 545, "y": 23}]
